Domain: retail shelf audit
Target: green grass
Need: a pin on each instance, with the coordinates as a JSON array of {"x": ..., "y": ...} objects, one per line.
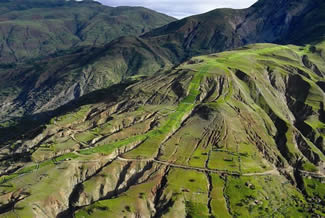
[
  {"x": 155, "y": 137},
  {"x": 33, "y": 166},
  {"x": 218, "y": 203},
  {"x": 108, "y": 149},
  {"x": 251, "y": 160},
  {"x": 224, "y": 161},
  {"x": 236, "y": 132},
  {"x": 72, "y": 117},
  {"x": 309, "y": 167},
  {"x": 262, "y": 196},
  {"x": 86, "y": 137},
  {"x": 315, "y": 187},
  {"x": 192, "y": 188},
  {"x": 199, "y": 157},
  {"x": 132, "y": 201}
]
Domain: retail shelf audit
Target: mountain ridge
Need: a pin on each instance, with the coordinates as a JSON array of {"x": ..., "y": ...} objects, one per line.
[
  {"x": 31, "y": 29},
  {"x": 238, "y": 133},
  {"x": 160, "y": 49},
  {"x": 246, "y": 122}
]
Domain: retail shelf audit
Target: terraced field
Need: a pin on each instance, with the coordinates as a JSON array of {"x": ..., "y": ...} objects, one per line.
[{"x": 233, "y": 134}]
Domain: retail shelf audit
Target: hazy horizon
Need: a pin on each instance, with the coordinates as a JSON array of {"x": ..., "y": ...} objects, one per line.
[{"x": 181, "y": 8}]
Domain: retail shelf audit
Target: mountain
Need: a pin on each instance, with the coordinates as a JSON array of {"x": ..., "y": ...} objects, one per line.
[
  {"x": 55, "y": 81},
  {"x": 31, "y": 29},
  {"x": 232, "y": 134},
  {"x": 238, "y": 133},
  {"x": 224, "y": 29}
]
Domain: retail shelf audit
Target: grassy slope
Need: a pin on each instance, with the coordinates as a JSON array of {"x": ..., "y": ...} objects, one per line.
[
  {"x": 56, "y": 41},
  {"x": 33, "y": 29},
  {"x": 40, "y": 88},
  {"x": 213, "y": 137}
]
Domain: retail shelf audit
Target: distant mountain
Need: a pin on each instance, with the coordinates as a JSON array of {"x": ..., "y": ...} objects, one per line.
[
  {"x": 278, "y": 21},
  {"x": 36, "y": 28},
  {"x": 55, "y": 81}
]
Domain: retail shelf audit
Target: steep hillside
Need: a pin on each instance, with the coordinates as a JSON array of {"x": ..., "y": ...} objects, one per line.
[
  {"x": 35, "y": 28},
  {"x": 223, "y": 29},
  {"x": 233, "y": 134},
  {"x": 51, "y": 82},
  {"x": 55, "y": 81}
]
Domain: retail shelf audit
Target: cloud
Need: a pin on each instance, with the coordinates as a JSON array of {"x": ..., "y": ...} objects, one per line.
[{"x": 181, "y": 8}]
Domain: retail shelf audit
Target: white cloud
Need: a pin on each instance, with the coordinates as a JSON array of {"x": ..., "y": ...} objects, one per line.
[{"x": 181, "y": 8}]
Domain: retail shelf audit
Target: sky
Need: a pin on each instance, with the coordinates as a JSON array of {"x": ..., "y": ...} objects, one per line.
[{"x": 181, "y": 8}]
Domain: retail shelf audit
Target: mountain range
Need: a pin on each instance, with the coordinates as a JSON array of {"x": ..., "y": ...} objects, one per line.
[
  {"x": 215, "y": 115},
  {"x": 32, "y": 29},
  {"x": 56, "y": 81}
]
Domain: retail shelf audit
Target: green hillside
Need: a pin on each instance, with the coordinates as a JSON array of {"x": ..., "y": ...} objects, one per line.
[
  {"x": 31, "y": 29},
  {"x": 49, "y": 83},
  {"x": 232, "y": 134},
  {"x": 216, "y": 115}
]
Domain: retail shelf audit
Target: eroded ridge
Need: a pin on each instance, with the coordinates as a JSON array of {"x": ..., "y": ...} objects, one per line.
[{"x": 223, "y": 135}]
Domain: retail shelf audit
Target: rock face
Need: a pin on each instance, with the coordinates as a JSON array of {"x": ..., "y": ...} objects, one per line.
[
  {"x": 52, "y": 82},
  {"x": 238, "y": 133}
]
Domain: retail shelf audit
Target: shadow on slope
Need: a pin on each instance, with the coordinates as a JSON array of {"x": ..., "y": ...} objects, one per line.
[{"x": 30, "y": 126}]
